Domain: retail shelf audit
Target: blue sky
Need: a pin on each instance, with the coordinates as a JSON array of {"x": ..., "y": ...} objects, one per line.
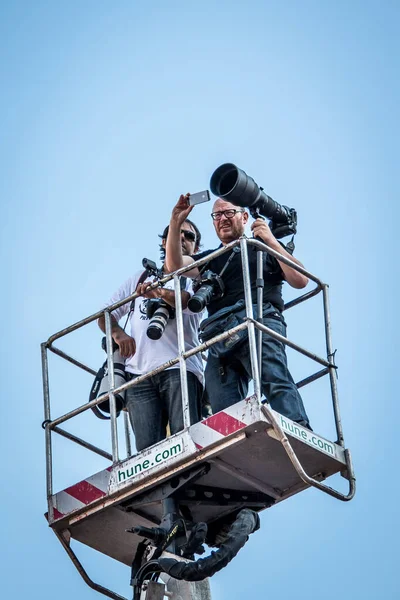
[{"x": 109, "y": 112}]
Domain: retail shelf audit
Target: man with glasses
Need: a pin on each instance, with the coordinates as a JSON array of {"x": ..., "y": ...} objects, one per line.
[
  {"x": 157, "y": 402},
  {"x": 227, "y": 379}
]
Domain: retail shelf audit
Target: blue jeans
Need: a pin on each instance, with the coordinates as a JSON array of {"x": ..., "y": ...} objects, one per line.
[
  {"x": 227, "y": 379},
  {"x": 157, "y": 401}
]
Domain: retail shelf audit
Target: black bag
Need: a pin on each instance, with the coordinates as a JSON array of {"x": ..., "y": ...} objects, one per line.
[
  {"x": 221, "y": 321},
  {"x": 100, "y": 384}
]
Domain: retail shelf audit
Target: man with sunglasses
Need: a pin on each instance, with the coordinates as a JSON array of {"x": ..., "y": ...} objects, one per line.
[
  {"x": 157, "y": 402},
  {"x": 227, "y": 379}
]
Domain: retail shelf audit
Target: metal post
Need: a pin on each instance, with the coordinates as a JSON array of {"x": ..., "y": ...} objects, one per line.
[
  {"x": 111, "y": 384},
  {"x": 260, "y": 287},
  {"x": 47, "y": 417},
  {"x": 179, "y": 589},
  {"x": 181, "y": 350},
  {"x": 170, "y": 516},
  {"x": 249, "y": 314},
  {"x": 128, "y": 445},
  {"x": 188, "y": 590},
  {"x": 154, "y": 591},
  {"x": 332, "y": 370}
]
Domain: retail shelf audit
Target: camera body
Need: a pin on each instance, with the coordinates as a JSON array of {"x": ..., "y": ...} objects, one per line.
[
  {"x": 159, "y": 312},
  {"x": 152, "y": 268},
  {"x": 210, "y": 287},
  {"x": 234, "y": 185}
]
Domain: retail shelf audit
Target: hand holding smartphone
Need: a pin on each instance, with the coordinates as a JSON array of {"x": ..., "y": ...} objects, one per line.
[{"x": 199, "y": 197}]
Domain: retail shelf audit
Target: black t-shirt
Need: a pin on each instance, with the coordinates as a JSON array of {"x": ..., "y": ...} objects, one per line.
[{"x": 233, "y": 278}]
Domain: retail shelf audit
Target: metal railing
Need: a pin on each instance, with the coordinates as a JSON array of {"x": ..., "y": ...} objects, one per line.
[{"x": 329, "y": 367}]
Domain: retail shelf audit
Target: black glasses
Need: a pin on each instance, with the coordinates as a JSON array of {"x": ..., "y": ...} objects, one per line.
[
  {"x": 231, "y": 212},
  {"x": 189, "y": 235}
]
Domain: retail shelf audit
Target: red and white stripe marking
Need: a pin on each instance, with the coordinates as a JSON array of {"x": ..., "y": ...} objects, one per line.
[
  {"x": 204, "y": 433},
  {"x": 81, "y": 494},
  {"x": 228, "y": 421}
]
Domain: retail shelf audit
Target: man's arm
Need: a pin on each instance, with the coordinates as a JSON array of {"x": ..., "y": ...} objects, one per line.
[
  {"x": 126, "y": 343},
  {"x": 294, "y": 278},
  {"x": 174, "y": 258}
]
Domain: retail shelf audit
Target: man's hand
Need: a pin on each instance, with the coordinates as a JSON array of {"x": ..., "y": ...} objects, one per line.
[
  {"x": 126, "y": 343},
  {"x": 181, "y": 210},
  {"x": 142, "y": 291},
  {"x": 161, "y": 292},
  {"x": 174, "y": 259},
  {"x": 261, "y": 230}
]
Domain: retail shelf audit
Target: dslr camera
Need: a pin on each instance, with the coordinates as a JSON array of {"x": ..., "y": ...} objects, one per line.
[
  {"x": 158, "y": 311},
  {"x": 210, "y": 287}
]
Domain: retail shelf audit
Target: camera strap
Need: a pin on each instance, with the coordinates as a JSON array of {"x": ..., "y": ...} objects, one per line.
[
  {"x": 141, "y": 279},
  {"x": 235, "y": 250}
]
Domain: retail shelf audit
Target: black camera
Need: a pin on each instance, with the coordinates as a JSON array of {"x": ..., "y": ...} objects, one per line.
[
  {"x": 234, "y": 185},
  {"x": 152, "y": 268},
  {"x": 210, "y": 287},
  {"x": 159, "y": 312}
]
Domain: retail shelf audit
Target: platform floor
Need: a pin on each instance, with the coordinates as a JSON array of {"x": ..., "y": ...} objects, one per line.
[{"x": 217, "y": 466}]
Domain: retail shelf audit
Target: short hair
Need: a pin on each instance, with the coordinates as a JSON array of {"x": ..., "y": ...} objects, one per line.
[{"x": 164, "y": 236}]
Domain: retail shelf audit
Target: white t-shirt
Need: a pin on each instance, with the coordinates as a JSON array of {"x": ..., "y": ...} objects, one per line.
[{"x": 153, "y": 353}]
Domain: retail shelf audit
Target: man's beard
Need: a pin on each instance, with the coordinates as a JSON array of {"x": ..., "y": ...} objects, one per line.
[{"x": 229, "y": 234}]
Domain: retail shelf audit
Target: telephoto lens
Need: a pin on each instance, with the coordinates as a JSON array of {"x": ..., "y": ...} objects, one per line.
[
  {"x": 234, "y": 185},
  {"x": 159, "y": 312},
  {"x": 119, "y": 379}
]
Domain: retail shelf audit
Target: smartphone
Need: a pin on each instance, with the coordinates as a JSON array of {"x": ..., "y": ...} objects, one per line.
[{"x": 199, "y": 197}]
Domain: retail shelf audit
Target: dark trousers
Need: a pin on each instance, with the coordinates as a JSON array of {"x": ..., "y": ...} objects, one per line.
[
  {"x": 227, "y": 380},
  {"x": 157, "y": 401}
]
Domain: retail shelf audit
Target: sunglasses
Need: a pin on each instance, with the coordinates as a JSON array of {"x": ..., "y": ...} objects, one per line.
[{"x": 189, "y": 235}]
